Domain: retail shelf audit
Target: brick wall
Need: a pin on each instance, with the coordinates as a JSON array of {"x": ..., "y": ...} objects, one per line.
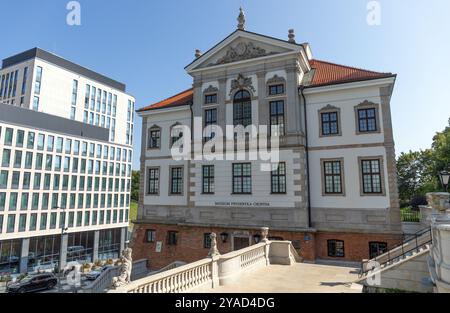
[
  {"x": 190, "y": 245},
  {"x": 356, "y": 245}
]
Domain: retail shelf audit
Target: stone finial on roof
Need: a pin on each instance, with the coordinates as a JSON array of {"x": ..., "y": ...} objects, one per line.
[
  {"x": 241, "y": 19},
  {"x": 198, "y": 53},
  {"x": 291, "y": 35}
]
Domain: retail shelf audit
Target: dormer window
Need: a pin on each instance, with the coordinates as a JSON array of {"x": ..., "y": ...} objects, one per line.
[
  {"x": 276, "y": 90},
  {"x": 211, "y": 98}
]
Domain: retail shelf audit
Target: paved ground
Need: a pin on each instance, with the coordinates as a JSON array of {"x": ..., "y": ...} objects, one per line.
[{"x": 298, "y": 278}]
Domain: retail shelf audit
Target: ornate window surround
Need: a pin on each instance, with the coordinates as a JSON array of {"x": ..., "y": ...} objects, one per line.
[
  {"x": 330, "y": 109},
  {"x": 382, "y": 174},
  {"x": 275, "y": 80},
  {"x": 322, "y": 177},
  {"x": 242, "y": 83},
  {"x": 150, "y": 130},
  {"x": 368, "y": 105},
  {"x": 211, "y": 90}
]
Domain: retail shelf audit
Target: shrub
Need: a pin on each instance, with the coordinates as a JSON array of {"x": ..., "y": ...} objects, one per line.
[
  {"x": 418, "y": 200},
  {"x": 110, "y": 262}
]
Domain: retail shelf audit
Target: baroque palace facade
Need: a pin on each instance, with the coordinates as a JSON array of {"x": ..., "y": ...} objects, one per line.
[{"x": 334, "y": 191}]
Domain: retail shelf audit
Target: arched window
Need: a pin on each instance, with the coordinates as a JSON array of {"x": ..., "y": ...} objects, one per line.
[{"x": 242, "y": 108}]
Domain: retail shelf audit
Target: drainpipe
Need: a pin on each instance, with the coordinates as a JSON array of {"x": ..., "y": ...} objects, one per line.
[{"x": 307, "y": 156}]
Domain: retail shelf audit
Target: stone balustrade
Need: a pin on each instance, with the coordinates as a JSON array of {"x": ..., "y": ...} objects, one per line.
[
  {"x": 216, "y": 270},
  {"x": 439, "y": 259}
]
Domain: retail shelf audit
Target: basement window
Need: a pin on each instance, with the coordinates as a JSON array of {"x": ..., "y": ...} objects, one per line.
[
  {"x": 150, "y": 235},
  {"x": 336, "y": 248},
  {"x": 172, "y": 238},
  {"x": 377, "y": 248}
]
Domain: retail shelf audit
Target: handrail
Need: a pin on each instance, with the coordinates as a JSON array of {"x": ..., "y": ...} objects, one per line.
[
  {"x": 186, "y": 277},
  {"x": 390, "y": 258},
  {"x": 218, "y": 269}
]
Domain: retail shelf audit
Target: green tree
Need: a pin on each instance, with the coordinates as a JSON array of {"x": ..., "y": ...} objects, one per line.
[
  {"x": 418, "y": 172},
  {"x": 135, "y": 181}
]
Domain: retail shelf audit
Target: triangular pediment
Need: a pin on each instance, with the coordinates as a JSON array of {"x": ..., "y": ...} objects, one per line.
[{"x": 242, "y": 46}]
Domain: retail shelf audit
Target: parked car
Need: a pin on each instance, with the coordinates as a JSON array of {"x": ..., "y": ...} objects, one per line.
[
  {"x": 33, "y": 283},
  {"x": 93, "y": 275}
]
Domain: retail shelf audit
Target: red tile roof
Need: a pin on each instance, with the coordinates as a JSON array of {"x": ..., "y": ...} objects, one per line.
[
  {"x": 183, "y": 98},
  {"x": 326, "y": 73}
]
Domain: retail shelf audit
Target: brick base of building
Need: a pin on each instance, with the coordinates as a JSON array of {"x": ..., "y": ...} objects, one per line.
[{"x": 190, "y": 245}]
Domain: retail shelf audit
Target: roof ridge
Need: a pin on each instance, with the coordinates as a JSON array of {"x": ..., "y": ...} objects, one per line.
[{"x": 350, "y": 67}]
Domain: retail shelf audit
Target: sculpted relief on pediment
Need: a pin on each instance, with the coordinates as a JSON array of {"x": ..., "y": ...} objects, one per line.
[{"x": 242, "y": 51}]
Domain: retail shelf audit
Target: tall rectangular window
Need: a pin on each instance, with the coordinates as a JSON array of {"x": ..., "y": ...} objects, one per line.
[
  {"x": 37, "y": 84},
  {"x": 30, "y": 141},
  {"x": 86, "y": 97},
  {"x": 40, "y": 142},
  {"x": 20, "y": 138},
  {"x": 11, "y": 223},
  {"x": 367, "y": 120},
  {"x": 277, "y": 118},
  {"x": 36, "y": 103},
  {"x": 24, "y": 80},
  {"x": 154, "y": 141},
  {"x": 278, "y": 178},
  {"x": 330, "y": 124},
  {"x": 371, "y": 176},
  {"x": 16, "y": 76},
  {"x": 210, "y": 119},
  {"x": 8, "y": 136},
  {"x": 6, "y": 157},
  {"x": 332, "y": 177},
  {"x": 3, "y": 179},
  {"x": 176, "y": 180},
  {"x": 242, "y": 178},
  {"x": 153, "y": 181},
  {"x": 208, "y": 179}
]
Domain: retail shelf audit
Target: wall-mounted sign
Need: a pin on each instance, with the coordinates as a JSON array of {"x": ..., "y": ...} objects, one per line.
[
  {"x": 243, "y": 204},
  {"x": 307, "y": 237},
  {"x": 159, "y": 246}
]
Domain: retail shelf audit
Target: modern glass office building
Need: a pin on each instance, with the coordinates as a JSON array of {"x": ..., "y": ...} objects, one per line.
[{"x": 65, "y": 167}]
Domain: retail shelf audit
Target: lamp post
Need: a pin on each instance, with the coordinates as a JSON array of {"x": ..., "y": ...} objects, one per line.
[
  {"x": 444, "y": 177},
  {"x": 63, "y": 230}
]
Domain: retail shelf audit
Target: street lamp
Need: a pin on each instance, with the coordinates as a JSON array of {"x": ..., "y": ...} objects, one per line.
[
  {"x": 444, "y": 176},
  {"x": 63, "y": 229}
]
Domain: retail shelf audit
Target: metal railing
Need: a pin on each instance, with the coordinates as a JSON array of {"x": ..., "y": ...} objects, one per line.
[
  {"x": 409, "y": 245},
  {"x": 411, "y": 216}
]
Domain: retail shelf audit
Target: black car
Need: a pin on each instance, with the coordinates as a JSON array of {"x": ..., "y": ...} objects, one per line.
[{"x": 33, "y": 283}]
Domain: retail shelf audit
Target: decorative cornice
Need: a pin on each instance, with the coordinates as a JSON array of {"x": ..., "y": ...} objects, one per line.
[
  {"x": 276, "y": 80},
  {"x": 242, "y": 82},
  {"x": 211, "y": 89},
  {"x": 329, "y": 107},
  {"x": 366, "y": 103},
  {"x": 242, "y": 51}
]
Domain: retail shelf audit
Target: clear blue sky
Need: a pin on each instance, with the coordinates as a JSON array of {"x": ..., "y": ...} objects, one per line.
[{"x": 146, "y": 45}]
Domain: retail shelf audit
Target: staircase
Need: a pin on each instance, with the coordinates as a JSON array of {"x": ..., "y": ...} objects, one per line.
[{"x": 411, "y": 247}]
